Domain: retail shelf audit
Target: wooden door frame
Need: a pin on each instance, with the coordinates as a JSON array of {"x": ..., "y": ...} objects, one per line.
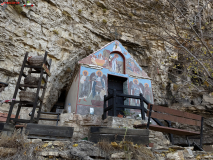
[{"x": 117, "y": 76}]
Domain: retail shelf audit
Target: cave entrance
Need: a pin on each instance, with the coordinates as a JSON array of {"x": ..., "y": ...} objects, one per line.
[{"x": 59, "y": 105}]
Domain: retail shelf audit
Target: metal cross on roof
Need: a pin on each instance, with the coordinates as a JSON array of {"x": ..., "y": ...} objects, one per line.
[{"x": 115, "y": 34}]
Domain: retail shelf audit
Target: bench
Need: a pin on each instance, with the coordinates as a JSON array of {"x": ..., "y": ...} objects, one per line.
[{"x": 173, "y": 115}]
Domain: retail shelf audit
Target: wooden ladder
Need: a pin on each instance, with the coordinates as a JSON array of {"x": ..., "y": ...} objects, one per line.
[{"x": 38, "y": 100}]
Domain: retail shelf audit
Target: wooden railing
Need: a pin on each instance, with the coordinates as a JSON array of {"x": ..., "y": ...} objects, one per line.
[{"x": 115, "y": 106}]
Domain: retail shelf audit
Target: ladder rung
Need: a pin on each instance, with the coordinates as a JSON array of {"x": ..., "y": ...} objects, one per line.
[
  {"x": 38, "y": 72},
  {"x": 49, "y": 119},
  {"x": 30, "y": 86},
  {"x": 50, "y": 113},
  {"x": 30, "y": 66},
  {"x": 26, "y": 104},
  {"x": 20, "y": 120}
]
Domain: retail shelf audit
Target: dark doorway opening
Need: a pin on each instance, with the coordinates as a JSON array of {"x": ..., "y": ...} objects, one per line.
[
  {"x": 115, "y": 82},
  {"x": 59, "y": 105}
]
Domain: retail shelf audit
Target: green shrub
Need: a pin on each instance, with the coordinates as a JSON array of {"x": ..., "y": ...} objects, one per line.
[
  {"x": 149, "y": 59},
  {"x": 175, "y": 87},
  {"x": 18, "y": 9},
  {"x": 65, "y": 13},
  {"x": 55, "y": 32},
  {"x": 25, "y": 33},
  {"x": 104, "y": 10},
  {"x": 104, "y": 21},
  {"x": 79, "y": 11},
  {"x": 130, "y": 15}
]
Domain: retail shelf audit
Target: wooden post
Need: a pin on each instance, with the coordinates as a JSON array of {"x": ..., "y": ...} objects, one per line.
[
  {"x": 57, "y": 119},
  {"x": 114, "y": 103},
  {"x": 18, "y": 111},
  {"x": 150, "y": 112},
  {"x": 104, "y": 113},
  {"x": 44, "y": 89},
  {"x": 142, "y": 106},
  {"x": 201, "y": 133}
]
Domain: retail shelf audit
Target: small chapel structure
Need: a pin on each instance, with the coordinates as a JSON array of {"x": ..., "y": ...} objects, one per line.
[{"x": 111, "y": 67}]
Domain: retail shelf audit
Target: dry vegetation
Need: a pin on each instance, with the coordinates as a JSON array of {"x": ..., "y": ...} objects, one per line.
[
  {"x": 139, "y": 152},
  {"x": 17, "y": 147}
]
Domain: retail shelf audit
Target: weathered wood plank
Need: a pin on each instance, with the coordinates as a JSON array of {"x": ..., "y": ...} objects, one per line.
[
  {"x": 49, "y": 138},
  {"x": 45, "y": 130},
  {"x": 144, "y": 140},
  {"x": 168, "y": 130},
  {"x": 120, "y": 131},
  {"x": 175, "y": 119},
  {"x": 175, "y": 112}
]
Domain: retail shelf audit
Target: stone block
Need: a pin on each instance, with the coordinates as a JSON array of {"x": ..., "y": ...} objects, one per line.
[
  {"x": 58, "y": 143},
  {"x": 208, "y": 99},
  {"x": 177, "y": 147},
  {"x": 188, "y": 153},
  {"x": 178, "y": 155},
  {"x": 36, "y": 140},
  {"x": 121, "y": 155},
  {"x": 65, "y": 154},
  {"x": 50, "y": 143},
  {"x": 117, "y": 122},
  {"x": 49, "y": 153}
]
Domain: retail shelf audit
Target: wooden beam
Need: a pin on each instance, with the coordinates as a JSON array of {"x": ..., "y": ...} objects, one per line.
[{"x": 121, "y": 131}]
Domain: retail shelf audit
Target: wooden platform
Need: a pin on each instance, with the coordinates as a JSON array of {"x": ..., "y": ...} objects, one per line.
[
  {"x": 47, "y": 132},
  {"x": 137, "y": 136}
]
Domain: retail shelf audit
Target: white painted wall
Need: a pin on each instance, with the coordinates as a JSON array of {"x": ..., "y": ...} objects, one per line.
[{"x": 72, "y": 96}]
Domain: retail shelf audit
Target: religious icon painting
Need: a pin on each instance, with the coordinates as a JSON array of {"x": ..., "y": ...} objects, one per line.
[
  {"x": 135, "y": 88},
  {"x": 116, "y": 63},
  {"x": 98, "y": 87},
  {"x": 84, "y": 86}
]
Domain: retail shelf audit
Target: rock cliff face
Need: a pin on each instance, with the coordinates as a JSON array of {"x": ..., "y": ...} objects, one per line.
[{"x": 71, "y": 30}]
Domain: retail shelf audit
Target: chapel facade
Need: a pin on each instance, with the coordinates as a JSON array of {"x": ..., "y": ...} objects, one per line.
[{"x": 111, "y": 67}]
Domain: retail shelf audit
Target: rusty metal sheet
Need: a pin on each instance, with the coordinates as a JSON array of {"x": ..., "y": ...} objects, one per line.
[{"x": 3, "y": 117}]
